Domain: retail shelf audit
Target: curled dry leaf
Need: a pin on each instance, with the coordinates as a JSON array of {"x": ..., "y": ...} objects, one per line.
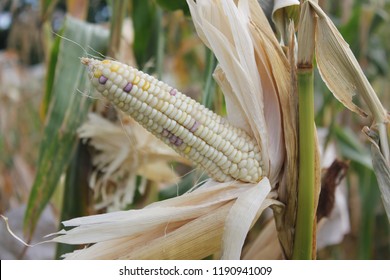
[
  {"x": 340, "y": 70},
  {"x": 124, "y": 151}
]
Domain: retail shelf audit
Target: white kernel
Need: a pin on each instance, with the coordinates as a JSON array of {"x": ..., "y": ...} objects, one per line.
[
  {"x": 139, "y": 93},
  {"x": 178, "y": 115},
  {"x": 206, "y": 164},
  {"x": 143, "y": 96},
  {"x": 118, "y": 93},
  {"x": 212, "y": 153},
  {"x": 132, "y": 76},
  {"x": 243, "y": 172},
  {"x": 169, "y": 109},
  {"x": 101, "y": 88},
  {"x": 238, "y": 157},
  {"x": 218, "y": 157},
  {"x": 178, "y": 103},
  {"x": 228, "y": 135},
  {"x": 141, "y": 83},
  {"x": 197, "y": 143},
  {"x": 106, "y": 72},
  {"x": 153, "y": 113},
  {"x": 164, "y": 107},
  {"x": 204, "y": 132},
  {"x": 126, "y": 74},
  {"x": 196, "y": 156},
  {"x": 180, "y": 131},
  {"x": 153, "y": 102},
  {"x": 118, "y": 79},
  {"x": 233, "y": 168},
  {"x": 212, "y": 140},
  {"x": 133, "y": 90},
  {"x": 242, "y": 163},
  {"x": 149, "y": 98},
  {"x": 184, "y": 106},
  {"x": 187, "y": 121},
  {"x": 123, "y": 96},
  {"x": 148, "y": 111},
  {"x": 112, "y": 89},
  {"x": 230, "y": 150},
  {"x": 143, "y": 108},
  {"x": 132, "y": 102},
  {"x": 127, "y": 98},
  {"x": 205, "y": 149},
  {"x": 192, "y": 140},
  {"x": 108, "y": 84},
  {"x": 166, "y": 123},
  {"x": 159, "y": 128}
]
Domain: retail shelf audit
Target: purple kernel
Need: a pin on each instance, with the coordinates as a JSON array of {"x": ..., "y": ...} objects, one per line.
[
  {"x": 178, "y": 142},
  {"x": 173, "y": 92},
  {"x": 165, "y": 133},
  {"x": 103, "y": 79},
  {"x": 128, "y": 87},
  {"x": 195, "y": 126},
  {"x": 173, "y": 139}
]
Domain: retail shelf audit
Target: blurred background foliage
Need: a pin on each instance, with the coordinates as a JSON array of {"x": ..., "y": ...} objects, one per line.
[{"x": 44, "y": 98}]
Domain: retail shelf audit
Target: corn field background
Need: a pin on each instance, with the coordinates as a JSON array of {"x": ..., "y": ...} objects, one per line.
[{"x": 53, "y": 127}]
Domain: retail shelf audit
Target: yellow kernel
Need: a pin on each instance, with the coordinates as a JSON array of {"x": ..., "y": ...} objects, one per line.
[
  {"x": 146, "y": 86},
  {"x": 187, "y": 150},
  {"x": 106, "y": 61},
  {"x": 136, "y": 80},
  {"x": 114, "y": 67},
  {"x": 97, "y": 73}
]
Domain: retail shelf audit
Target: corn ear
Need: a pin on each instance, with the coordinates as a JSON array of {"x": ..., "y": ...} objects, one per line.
[{"x": 225, "y": 152}]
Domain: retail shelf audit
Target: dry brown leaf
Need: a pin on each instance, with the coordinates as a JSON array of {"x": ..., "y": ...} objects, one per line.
[{"x": 340, "y": 70}]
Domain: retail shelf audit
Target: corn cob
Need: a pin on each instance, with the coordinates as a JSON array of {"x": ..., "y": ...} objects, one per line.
[{"x": 225, "y": 152}]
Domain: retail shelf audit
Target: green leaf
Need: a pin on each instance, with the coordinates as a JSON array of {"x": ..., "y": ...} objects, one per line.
[
  {"x": 50, "y": 75},
  {"x": 76, "y": 195},
  {"x": 173, "y": 5},
  {"x": 351, "y": 148},
  {"x": 382, "y": 172},
  {"x": 145, "y": 33},
  {"x": 68, "y": 108}
]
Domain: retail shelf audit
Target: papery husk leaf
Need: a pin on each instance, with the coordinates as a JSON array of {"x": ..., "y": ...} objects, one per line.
[
  {"x": 223, "y": 28},
  {"x": 340, "y": 70},
  {"x": 194, "y": 221},
  {"x": 282, "y": 69},
  {"x": 306, "y": 41},
  {"x": 240, "y": 218},
  {"x": 95, "y": 228},
  {"x": 266, "y": 246},
  {"x": 382, "y": 172},
  {"x": 283, "y": 13},
  {"x": 195, "y": 239}
]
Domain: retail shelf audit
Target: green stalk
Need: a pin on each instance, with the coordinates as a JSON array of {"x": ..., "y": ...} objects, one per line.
[
  {"x": 303, "y": 239},
  {"x": 304, "y": 227}
]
